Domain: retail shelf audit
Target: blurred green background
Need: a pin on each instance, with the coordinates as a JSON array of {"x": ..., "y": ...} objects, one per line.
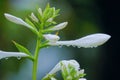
[{"x": 84, "y": 17}]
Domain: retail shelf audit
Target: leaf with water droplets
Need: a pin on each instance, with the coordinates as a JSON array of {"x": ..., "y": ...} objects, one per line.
[
  {"x": 6, "y": 55},
  {"x": 89, "y": 41}
]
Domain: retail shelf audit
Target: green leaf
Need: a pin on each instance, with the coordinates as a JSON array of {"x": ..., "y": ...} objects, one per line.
[
  {"x": 46, "y": 9},
  {"x": 48, "y": 77},
  {"x": 47, "y": 13},
  {"x": 30, "y": 23},
  {"x": 82, "y": 75},
  {"x": 40, "y": 17},
  {"x": 48, "y": 5},
  {"x": 57, "y": 12},
  {"x": 22, "y": 48}
]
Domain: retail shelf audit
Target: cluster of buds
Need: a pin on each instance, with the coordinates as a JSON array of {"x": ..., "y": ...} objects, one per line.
[
  {"x": 43, "y": 25},
  {"x": 70, "y": 70}
]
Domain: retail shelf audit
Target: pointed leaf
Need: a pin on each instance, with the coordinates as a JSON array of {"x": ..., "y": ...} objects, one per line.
[
  {"x": 30, "y": 23},
  {"x": 22, "y": 48}
]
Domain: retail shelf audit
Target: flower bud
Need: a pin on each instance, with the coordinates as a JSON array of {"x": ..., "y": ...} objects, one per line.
[
  {"x": 52, "y": 38},
  {"x": 50, "y": 20},
  {"x": 17, "y": 20},
  {"x": 89, "y": 41},
  {"x": 82, "y": 79},
  {"x": 40, "y": 11},
  {"x": 59, "y": 26},
  {"x": 33, "y": 17}
]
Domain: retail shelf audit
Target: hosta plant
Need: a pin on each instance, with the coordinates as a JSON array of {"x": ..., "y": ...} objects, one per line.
[{"x": 43, "y": 24}]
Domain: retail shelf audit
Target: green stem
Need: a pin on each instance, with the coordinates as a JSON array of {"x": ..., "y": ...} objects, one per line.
[{"x": 35, "y": 62}]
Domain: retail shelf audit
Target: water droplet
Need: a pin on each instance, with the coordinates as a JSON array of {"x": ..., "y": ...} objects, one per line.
[{"x": 18, "y": 58}]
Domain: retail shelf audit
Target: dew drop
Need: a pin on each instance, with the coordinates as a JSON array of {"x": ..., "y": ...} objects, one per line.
[{"x": 18, "y": 58}]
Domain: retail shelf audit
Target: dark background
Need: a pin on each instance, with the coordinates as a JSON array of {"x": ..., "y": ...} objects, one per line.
[
  {"x": 111, "y": 22},
  {"x": 110, "y": 15}
]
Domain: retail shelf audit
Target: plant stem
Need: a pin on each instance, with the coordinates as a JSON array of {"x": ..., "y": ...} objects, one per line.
[{"x": 35, "y": 62}]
